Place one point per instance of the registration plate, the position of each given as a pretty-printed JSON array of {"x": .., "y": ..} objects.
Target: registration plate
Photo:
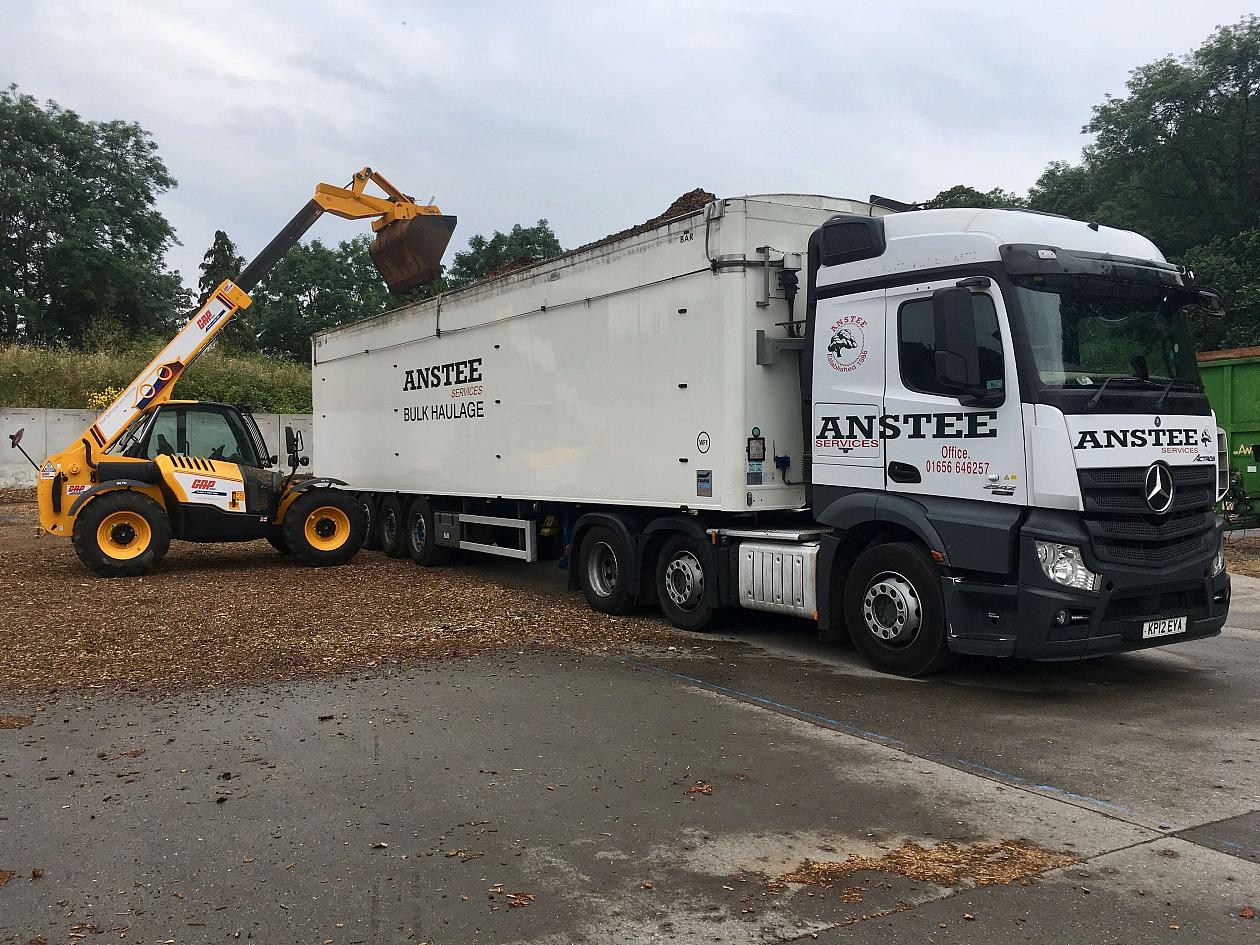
[{"x": 1164, "y": 627}]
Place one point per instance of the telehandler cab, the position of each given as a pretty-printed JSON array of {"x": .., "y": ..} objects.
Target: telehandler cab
[{"x": 151, "y": 468}]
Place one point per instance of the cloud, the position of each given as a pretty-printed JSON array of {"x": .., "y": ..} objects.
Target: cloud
[{"x": 593, "y": 116}]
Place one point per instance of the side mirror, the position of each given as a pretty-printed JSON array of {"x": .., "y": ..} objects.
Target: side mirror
[
  {"x": 957, "y": 349},
  {"x": 290, "y": 440},
  {"x": 16, "y": 438}
]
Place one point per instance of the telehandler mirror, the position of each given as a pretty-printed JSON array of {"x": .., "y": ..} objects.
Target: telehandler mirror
[
  {"x": 16, "y": 438},
  {"x": 290, "y": 441}
]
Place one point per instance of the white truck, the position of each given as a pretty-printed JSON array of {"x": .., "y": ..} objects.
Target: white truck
[{"x": 972, "y": 431}]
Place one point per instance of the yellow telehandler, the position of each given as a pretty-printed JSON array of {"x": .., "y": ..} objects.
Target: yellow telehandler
[{"x": 151, "y": 468}]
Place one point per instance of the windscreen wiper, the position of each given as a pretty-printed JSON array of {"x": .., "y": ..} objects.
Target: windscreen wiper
[
  {"x": 1172, "y": 382},
  {"x": 1119, "y": 379},
  {"x": 1093, "y": 401}
]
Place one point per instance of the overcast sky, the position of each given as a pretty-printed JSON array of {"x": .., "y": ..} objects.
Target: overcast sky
[{"x": 594, "y": 116}]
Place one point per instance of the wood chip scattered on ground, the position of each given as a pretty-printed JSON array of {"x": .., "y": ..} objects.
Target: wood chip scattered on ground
[
  {"x": 1242, "y": 556},
  {"x": 224, "y": 614},
  {"x": 945, "y": 864}
]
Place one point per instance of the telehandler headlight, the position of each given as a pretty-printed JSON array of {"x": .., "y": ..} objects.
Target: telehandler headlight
[{"x": 1063, "y": 565}]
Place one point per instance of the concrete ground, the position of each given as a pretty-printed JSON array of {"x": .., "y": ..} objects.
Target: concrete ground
[{"x": 429, "y": 804}]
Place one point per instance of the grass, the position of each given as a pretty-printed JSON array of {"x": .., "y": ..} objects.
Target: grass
[{"x": 32, "y": 376}]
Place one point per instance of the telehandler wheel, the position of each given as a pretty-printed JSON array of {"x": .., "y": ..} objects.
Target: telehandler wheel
[
  {"x": 324, "y": 527},
  {"x": 681, "y": 576},
  {"x": 604, "y": 566},
  {"x": 422, "y": 535},
  {"x": 391, "y": 527},
  {"x": 372, "y": 541},
  {"x": 121, "y": 534},
  {"x": 276, "y": 540},
  {"x": 895, "y": 612}
]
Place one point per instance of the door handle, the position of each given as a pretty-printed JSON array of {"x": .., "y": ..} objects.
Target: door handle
[{"x": 903, "y": 472}]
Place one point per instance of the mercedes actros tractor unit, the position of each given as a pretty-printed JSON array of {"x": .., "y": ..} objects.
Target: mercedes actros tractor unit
[{"x": 978, "y": 431}]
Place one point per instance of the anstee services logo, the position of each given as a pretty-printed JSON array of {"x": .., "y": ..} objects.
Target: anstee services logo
[{"x": 847, "y": 349}]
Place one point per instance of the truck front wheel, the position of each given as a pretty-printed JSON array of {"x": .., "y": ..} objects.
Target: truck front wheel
[
  {"x": 604, "y": 567},
  {"x": 681, "y": 577},
  {"x": 324, "y": 527},
  {"x": 121, "y": 534},
  {"x": 894, "y": 610}
]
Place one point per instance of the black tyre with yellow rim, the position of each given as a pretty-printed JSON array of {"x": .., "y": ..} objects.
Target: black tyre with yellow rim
[
  {"x": 324, "y": 527},
  {"x": 121, "y": 534}
]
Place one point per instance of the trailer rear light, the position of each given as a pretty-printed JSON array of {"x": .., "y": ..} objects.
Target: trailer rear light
[{"x": 1064, "y": 565}]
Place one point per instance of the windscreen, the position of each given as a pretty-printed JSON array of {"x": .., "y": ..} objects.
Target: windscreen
[{"x": 1080, "y": 338}]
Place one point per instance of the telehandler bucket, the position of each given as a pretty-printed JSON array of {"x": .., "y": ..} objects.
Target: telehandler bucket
[{"x": 408, "y": 253}]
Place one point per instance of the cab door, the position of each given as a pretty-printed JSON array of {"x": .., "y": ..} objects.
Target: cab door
[
  {"x": 848, "y": 391},
  {"x": 933, "y": 444}
]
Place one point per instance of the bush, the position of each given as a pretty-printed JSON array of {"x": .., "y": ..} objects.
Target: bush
[{"x": 33, "y": 376}]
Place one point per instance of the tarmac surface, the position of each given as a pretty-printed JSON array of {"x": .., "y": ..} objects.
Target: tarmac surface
[{"x": 650, "y": 796}]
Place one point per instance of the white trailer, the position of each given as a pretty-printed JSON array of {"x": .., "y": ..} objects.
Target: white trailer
[{"x": 941, "y": 444}]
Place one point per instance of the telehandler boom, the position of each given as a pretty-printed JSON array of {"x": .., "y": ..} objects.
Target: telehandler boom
[{"x": 152, "y": 468}]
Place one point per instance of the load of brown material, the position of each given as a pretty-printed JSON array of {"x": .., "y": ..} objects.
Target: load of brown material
[{"x": 945, "y": 864}]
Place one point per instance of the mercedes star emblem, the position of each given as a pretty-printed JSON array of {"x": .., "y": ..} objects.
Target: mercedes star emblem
[{"x": 1159, "y": 488}]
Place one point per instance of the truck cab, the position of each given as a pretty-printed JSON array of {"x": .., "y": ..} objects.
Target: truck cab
[{"x": 1017, "y": 392}]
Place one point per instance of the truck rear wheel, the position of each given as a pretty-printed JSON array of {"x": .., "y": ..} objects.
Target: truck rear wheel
[
  {"x": 324, "y": 527},
  {"x": 421, "y": 536},
  {"x": 372, "y": 537},
  {"x": 604, "y": 567},
  {"x": 895, "y": 612},
  {"x": 391, "y": 527},
  {"x": 681, "y": 577},
  {"x": 121, "y": 534}
]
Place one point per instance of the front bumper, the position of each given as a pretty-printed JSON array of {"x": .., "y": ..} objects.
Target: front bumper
[{"x": 1004, "y": 619}]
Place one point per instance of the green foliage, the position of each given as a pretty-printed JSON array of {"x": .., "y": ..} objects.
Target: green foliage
[
  {"x": 220, "y": 262},
  {"x": 962, "y": 196},
  {"x": 1231, "y": 265},
  {"x": 59, "y": 376},
  {"x": 80, "y": 239},
  {"x": 316, "y": 287},
  {"x": 483, "y": 255}
]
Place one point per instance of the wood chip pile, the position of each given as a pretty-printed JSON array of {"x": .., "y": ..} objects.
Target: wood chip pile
[{"x": 215, "y": 615}]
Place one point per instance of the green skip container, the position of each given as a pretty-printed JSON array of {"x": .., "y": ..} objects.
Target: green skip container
[{"x": 1232, "y": 380}]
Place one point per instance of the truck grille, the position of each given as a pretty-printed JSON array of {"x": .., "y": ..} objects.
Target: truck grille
[{"x": 1123, "y": 529}]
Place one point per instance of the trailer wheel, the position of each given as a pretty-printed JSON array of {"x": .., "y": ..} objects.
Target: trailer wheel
[
  {"x": 895, "y": 612},
  {"x": 391, "y": 527},
  {"x": 604, "y": 568},
  {"x": 324, "y": 527},
  {"x": 121, "y": 534},
  {"x": 372, "y": 541},
  {"x": 422, "y": 536},
  {"x": 681, "y": 577}
]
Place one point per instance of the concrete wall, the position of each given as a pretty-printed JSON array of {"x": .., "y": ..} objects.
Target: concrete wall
[{"x": 51, "y": 430}]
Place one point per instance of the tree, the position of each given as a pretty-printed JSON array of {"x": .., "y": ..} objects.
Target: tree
[
  {"x": 483, "y": 255},
  {"x": 313, "y": 288},
  {"x": 1231, "y": 265},
  {"x": 1178, "y": 157},
  {"x": 220, "y": 262},
  {"x": 80, "y": 238},
  {"x": 960, "y": 195}
]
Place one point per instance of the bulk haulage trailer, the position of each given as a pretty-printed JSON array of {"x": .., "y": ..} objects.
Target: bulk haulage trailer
[{"x": 945, "y": 431}]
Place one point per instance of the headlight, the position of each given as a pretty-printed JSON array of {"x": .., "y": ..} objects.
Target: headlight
[
  {"x": 1218, "y": 563},
  {"x": 1063, "y": 565}
]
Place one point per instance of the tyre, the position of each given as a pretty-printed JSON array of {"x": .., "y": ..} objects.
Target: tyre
[
  {"x": 372, "y": 541},
  {"x": 121, "y": 534},
  {"x": 276, "y": 540},
  {"x": 421, "y": 535},
  {"x": 682, "y": 574},
  {"x": 894, "y": 610},
  {"x": 391, "y": 527},
  {"x": 324, "y": 527},
  {"x": 604, "y": 568}
]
